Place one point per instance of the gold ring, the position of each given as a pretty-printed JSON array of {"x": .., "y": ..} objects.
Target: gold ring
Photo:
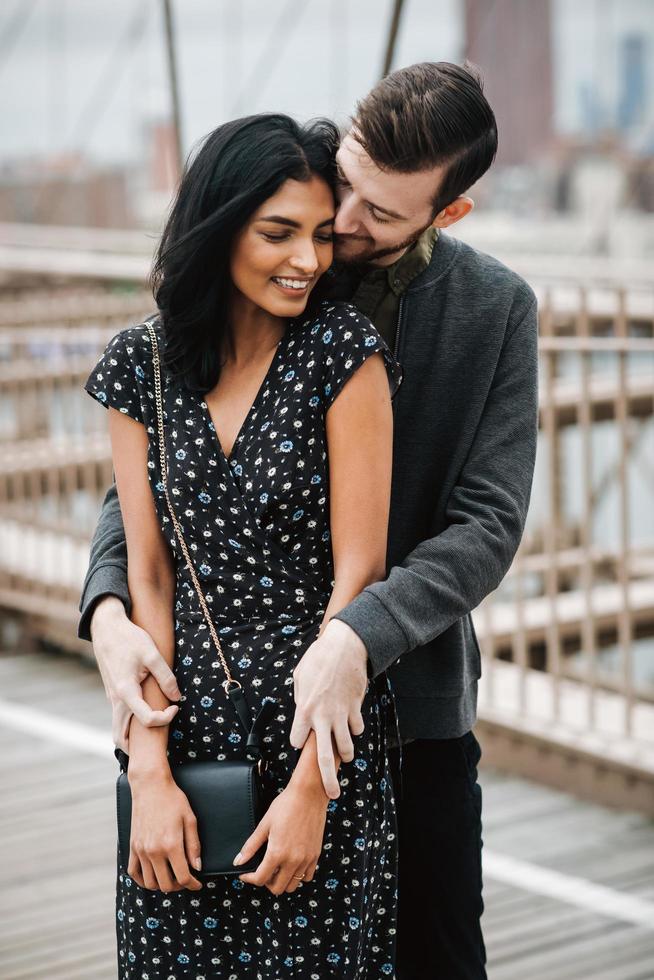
[{"x": 300, "y": 876}]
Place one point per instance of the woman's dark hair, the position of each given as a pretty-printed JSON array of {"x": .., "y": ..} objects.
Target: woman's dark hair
[
  {"x": 427, "y": 115},
  {"x": 237, "y": 167}
]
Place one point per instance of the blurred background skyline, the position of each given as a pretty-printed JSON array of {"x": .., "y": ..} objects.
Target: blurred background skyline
[{"x": 85, "y": 106}]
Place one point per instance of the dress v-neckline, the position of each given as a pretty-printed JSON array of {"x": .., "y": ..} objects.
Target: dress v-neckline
[{"x": 244, "y": 424}]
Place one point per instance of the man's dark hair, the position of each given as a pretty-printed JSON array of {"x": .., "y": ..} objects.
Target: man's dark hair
[
  {"x": 238, "y": 166},
  {"x": 428, "y": 115}
]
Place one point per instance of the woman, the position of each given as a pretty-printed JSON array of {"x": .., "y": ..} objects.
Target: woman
[{"x": 282, "y": 490}]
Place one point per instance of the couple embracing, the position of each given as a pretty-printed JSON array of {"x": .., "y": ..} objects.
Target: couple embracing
[{"x": 350, "y": 405}]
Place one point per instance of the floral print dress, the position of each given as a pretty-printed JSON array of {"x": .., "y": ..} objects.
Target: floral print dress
[{"x": 257, "y": 526}]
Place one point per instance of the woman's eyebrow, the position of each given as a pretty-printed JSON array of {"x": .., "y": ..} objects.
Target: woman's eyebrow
[{"x": 279, "y": 220}]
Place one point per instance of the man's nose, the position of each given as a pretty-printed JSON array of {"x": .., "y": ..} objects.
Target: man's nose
[{"x": 346, "y": 221}]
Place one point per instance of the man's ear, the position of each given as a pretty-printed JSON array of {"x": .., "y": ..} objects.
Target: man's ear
[{"x": 459, "y": 208}]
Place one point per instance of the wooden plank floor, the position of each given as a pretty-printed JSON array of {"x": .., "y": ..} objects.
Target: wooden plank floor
[{"x": 57, "y": 849}]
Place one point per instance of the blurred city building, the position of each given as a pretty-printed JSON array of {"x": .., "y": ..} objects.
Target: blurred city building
[
  {"x": 66, "y": 192},
  {"x": 519, "y": 87}
]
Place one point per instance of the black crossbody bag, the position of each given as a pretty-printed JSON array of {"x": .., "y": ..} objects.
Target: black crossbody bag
[{"x": 228, "y": 797}]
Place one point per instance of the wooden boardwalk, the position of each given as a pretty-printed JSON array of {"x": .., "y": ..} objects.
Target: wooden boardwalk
[{"x": 569, "y": 886}]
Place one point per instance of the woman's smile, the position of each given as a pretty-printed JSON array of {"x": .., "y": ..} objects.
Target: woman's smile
[{"x": 292, "y": 286}]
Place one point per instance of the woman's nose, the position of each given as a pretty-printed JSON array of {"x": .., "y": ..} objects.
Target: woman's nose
[{"x": 305, "y": 260}]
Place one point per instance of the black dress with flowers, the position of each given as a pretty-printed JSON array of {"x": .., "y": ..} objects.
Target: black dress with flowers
[{"x": 257, "y": 526}]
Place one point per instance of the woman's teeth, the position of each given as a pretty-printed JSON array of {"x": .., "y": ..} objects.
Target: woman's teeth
[{"x": 291, "y": 283}]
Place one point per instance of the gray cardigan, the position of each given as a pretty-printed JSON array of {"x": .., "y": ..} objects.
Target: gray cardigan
[{"x": 464, "y": 450}]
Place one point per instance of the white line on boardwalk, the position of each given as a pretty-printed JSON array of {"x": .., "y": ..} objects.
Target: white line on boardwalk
[
  {"x": 500, "y": 867},
  {"x": 50, "y": 727},
  {"x": 568, "y": 888}
]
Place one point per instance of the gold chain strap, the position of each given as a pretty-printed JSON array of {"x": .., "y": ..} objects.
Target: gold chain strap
[{"x": 178, "y": 530}]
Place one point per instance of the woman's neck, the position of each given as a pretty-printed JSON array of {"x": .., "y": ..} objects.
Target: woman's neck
[{"x": 252, "y": 332}]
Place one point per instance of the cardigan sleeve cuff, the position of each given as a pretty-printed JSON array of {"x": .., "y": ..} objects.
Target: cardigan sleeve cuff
[
  {"x": 381, "y": 634},
  {"x": 103, "y": 582}
]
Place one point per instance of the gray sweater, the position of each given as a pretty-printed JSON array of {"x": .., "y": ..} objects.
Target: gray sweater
[{"x": 464, "y": 450}]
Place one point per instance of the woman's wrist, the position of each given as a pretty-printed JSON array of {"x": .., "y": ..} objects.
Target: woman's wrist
[
  {"x": 148, "y": 752},
  {"x": 309, "y": 786},
  {"x": 307, "y": 776},
  {"x": 148, "y": 772}
]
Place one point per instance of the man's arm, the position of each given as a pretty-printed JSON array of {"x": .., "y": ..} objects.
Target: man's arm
[
  {"x": 447, "y": 576},
  {"x": 107, "y": 571},
  {"x": 125, "y": 653}
]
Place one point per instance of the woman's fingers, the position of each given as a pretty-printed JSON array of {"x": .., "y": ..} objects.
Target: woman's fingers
[
  {"x": 162, "y": 873},
  {"x": 192, "y": 842},
  {"x": 134, "y": 869},
  {"x": 310, "y": 871},
  {"x": 294, "y": 881},
  {"x": 183, "y": 873},
  {"x": 265, "y": 870},
  {"x": 148, "y": 875},
  {"x": 257, "y": 839},
  {"x": 289, "y": 876},
  {"x": 280, "y": 879}
]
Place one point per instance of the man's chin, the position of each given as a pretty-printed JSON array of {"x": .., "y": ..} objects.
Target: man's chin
[{"x": 352, "y": 251}]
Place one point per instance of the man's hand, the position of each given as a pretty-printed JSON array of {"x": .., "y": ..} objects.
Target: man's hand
[
  {"x": 330, "y": 684},
  {"x": 126, "y": 655}
]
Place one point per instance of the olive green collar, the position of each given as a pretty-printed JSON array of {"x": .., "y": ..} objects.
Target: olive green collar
[{"x": 408, "y": 266}]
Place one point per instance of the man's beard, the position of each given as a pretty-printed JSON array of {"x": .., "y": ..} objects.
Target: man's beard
[{"x": 365, "y": 257}]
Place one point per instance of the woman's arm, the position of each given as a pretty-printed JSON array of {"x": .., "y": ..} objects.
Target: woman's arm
[
  {"x": 164, "y": 836},
  {"x": 150, "y": 578},
  {"x": 360, "y": 449}
]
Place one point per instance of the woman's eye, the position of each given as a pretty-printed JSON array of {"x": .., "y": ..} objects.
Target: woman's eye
[
  {"x": 274, "y": 238},
  {"x": 324, "y": 239}
]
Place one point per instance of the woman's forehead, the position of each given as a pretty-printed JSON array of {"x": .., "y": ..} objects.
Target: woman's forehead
[{"x": 299, "y": 196}]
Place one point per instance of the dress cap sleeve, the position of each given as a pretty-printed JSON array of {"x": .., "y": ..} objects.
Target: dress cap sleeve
[
  {"x": 348, "y": 339},
  {"x": 120, "y": 378}
]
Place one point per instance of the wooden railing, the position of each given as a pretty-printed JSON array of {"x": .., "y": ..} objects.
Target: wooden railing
[{"x": 567, "y": 639}]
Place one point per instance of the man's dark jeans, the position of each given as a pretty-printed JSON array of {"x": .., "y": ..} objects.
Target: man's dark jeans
[{"x": 439, "y": 819}]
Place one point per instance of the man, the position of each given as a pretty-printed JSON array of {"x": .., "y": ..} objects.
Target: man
[{"x": 464, "y": 328}]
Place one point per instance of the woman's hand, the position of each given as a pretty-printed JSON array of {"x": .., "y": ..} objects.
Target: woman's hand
[
  {"x": 293, "y": 826},
  {"x": 164, "y": 837}
]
